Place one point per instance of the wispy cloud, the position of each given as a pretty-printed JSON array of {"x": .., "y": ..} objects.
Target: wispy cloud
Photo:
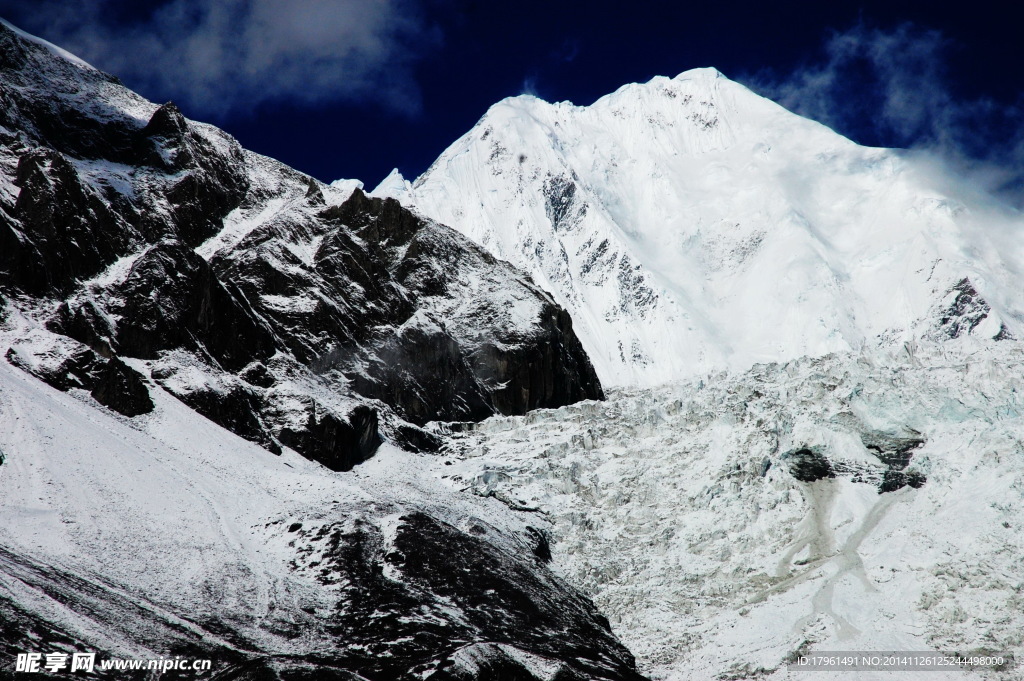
[
  {"x": 529, "y": 86},
  {"x": 892, "y": 88},
  {"x": 568, "y": 50},
  {"x": 222, "y": 58}
]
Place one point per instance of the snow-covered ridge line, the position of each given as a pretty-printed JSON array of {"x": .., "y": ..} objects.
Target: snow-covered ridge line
[{"x": 57, "y": 51}]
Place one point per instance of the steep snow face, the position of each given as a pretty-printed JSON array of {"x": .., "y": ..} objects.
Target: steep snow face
[
  {"x": 688, "y": 223},
  {"x": 859, "y": 501},
  {"x": 165, "y": 533}
]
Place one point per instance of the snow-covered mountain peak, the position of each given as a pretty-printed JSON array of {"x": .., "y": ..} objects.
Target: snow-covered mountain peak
[
  {"x": 394, "y": 185},
  {"x": 699, "y": 73},
  {"x": 690, "y": 224}
]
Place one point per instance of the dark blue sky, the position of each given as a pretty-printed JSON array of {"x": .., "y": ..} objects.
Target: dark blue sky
[{"x": 352, "y": 88}]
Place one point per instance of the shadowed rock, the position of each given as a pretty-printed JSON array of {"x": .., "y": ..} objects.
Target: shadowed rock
[
  {"x": 122, "y": 388},
  {"x": 808, "y": 464},
  {"x": 336, "y": 443}
]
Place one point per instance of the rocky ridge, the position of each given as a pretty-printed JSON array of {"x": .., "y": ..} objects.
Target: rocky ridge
[
  {"x": 155, "y": 273},
  {"x": 247, "y": 287}
]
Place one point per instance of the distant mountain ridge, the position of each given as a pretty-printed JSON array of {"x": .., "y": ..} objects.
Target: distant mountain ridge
[{"x": 688, "y": 224}]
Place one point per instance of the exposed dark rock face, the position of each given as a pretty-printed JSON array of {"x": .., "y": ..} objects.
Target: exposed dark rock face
[
  {"x": 894, "y": 480},
  {"x": 894, "y": 453},
  {"x": 560, "y": 203},
  {"x": 171, "y": 299},
  {"x": 405, "y": 310},
  {"x": 67, "y": 230},
  {"x": 234, "y": 408},
  {"x": 79, "y": 146},
  {"x": 358, "y": 298},
  {"x": 206, "y": 184},
  {"x": 122, "y": 388},
  {"x": 59, "y": 362},
  {"x": 477, "y": 602},
  {"x": 421, "y": 370},
  {"x": 964, "y": 310},
  {"x": 808, "y": 464},
  {"x": 86, "y": 323},
  {"x": 336, "y": 443},
  {"x": 527, "y": 374},
  {"x": 892, "y": 450},
  {"x": 42, "y": 101},
  {"x": 415, "y": 439},
  {"x": 257, "y": 374},
  {"x": 542, "y": 546},
  {"x": 65, "y": 364}
]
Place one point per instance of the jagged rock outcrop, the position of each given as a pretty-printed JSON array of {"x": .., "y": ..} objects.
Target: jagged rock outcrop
[
  {"x": 67, "y": 230},
  {"x": 122, "y": 388},
  {"x": 144, "y": 235},
  {"x": 510, "y": 615},
  {"x": 83, "y": 145},
  {"x": 171, "y": 299},
  {"x": 808, "y": 464}
]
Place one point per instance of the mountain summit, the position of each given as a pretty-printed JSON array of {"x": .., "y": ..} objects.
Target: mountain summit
[{"x": 689, "y": 224}]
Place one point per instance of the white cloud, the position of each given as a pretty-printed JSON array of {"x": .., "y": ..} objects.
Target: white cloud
[
  {"x": 219, "y": 58},
  {"x": 892, "y": 88}
]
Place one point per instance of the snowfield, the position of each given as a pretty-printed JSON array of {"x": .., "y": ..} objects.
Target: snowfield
[
  {"x": 189, "y": 522},
  {"x": 677, "y": 508}
]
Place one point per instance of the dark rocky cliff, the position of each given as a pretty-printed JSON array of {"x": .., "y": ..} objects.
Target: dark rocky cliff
[{"x": 304, "y": 317}]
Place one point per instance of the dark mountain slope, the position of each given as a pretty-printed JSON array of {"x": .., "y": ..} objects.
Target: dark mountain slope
[{"x": 285, "y": 310}]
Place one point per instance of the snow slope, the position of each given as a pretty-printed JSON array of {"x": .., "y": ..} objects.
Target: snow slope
[
  {"x": 141, "y": 537},
  {"x": 682, "y": 512},
  {"x": 690, "y": 224}
]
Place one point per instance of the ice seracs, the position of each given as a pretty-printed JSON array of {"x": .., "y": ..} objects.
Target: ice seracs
[
  {"x": 690, "y": 224},
  {"x": 726, "y": 525}
]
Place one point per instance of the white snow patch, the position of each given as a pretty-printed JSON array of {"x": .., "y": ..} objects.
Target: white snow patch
[{"x": 239, "y": 223}]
